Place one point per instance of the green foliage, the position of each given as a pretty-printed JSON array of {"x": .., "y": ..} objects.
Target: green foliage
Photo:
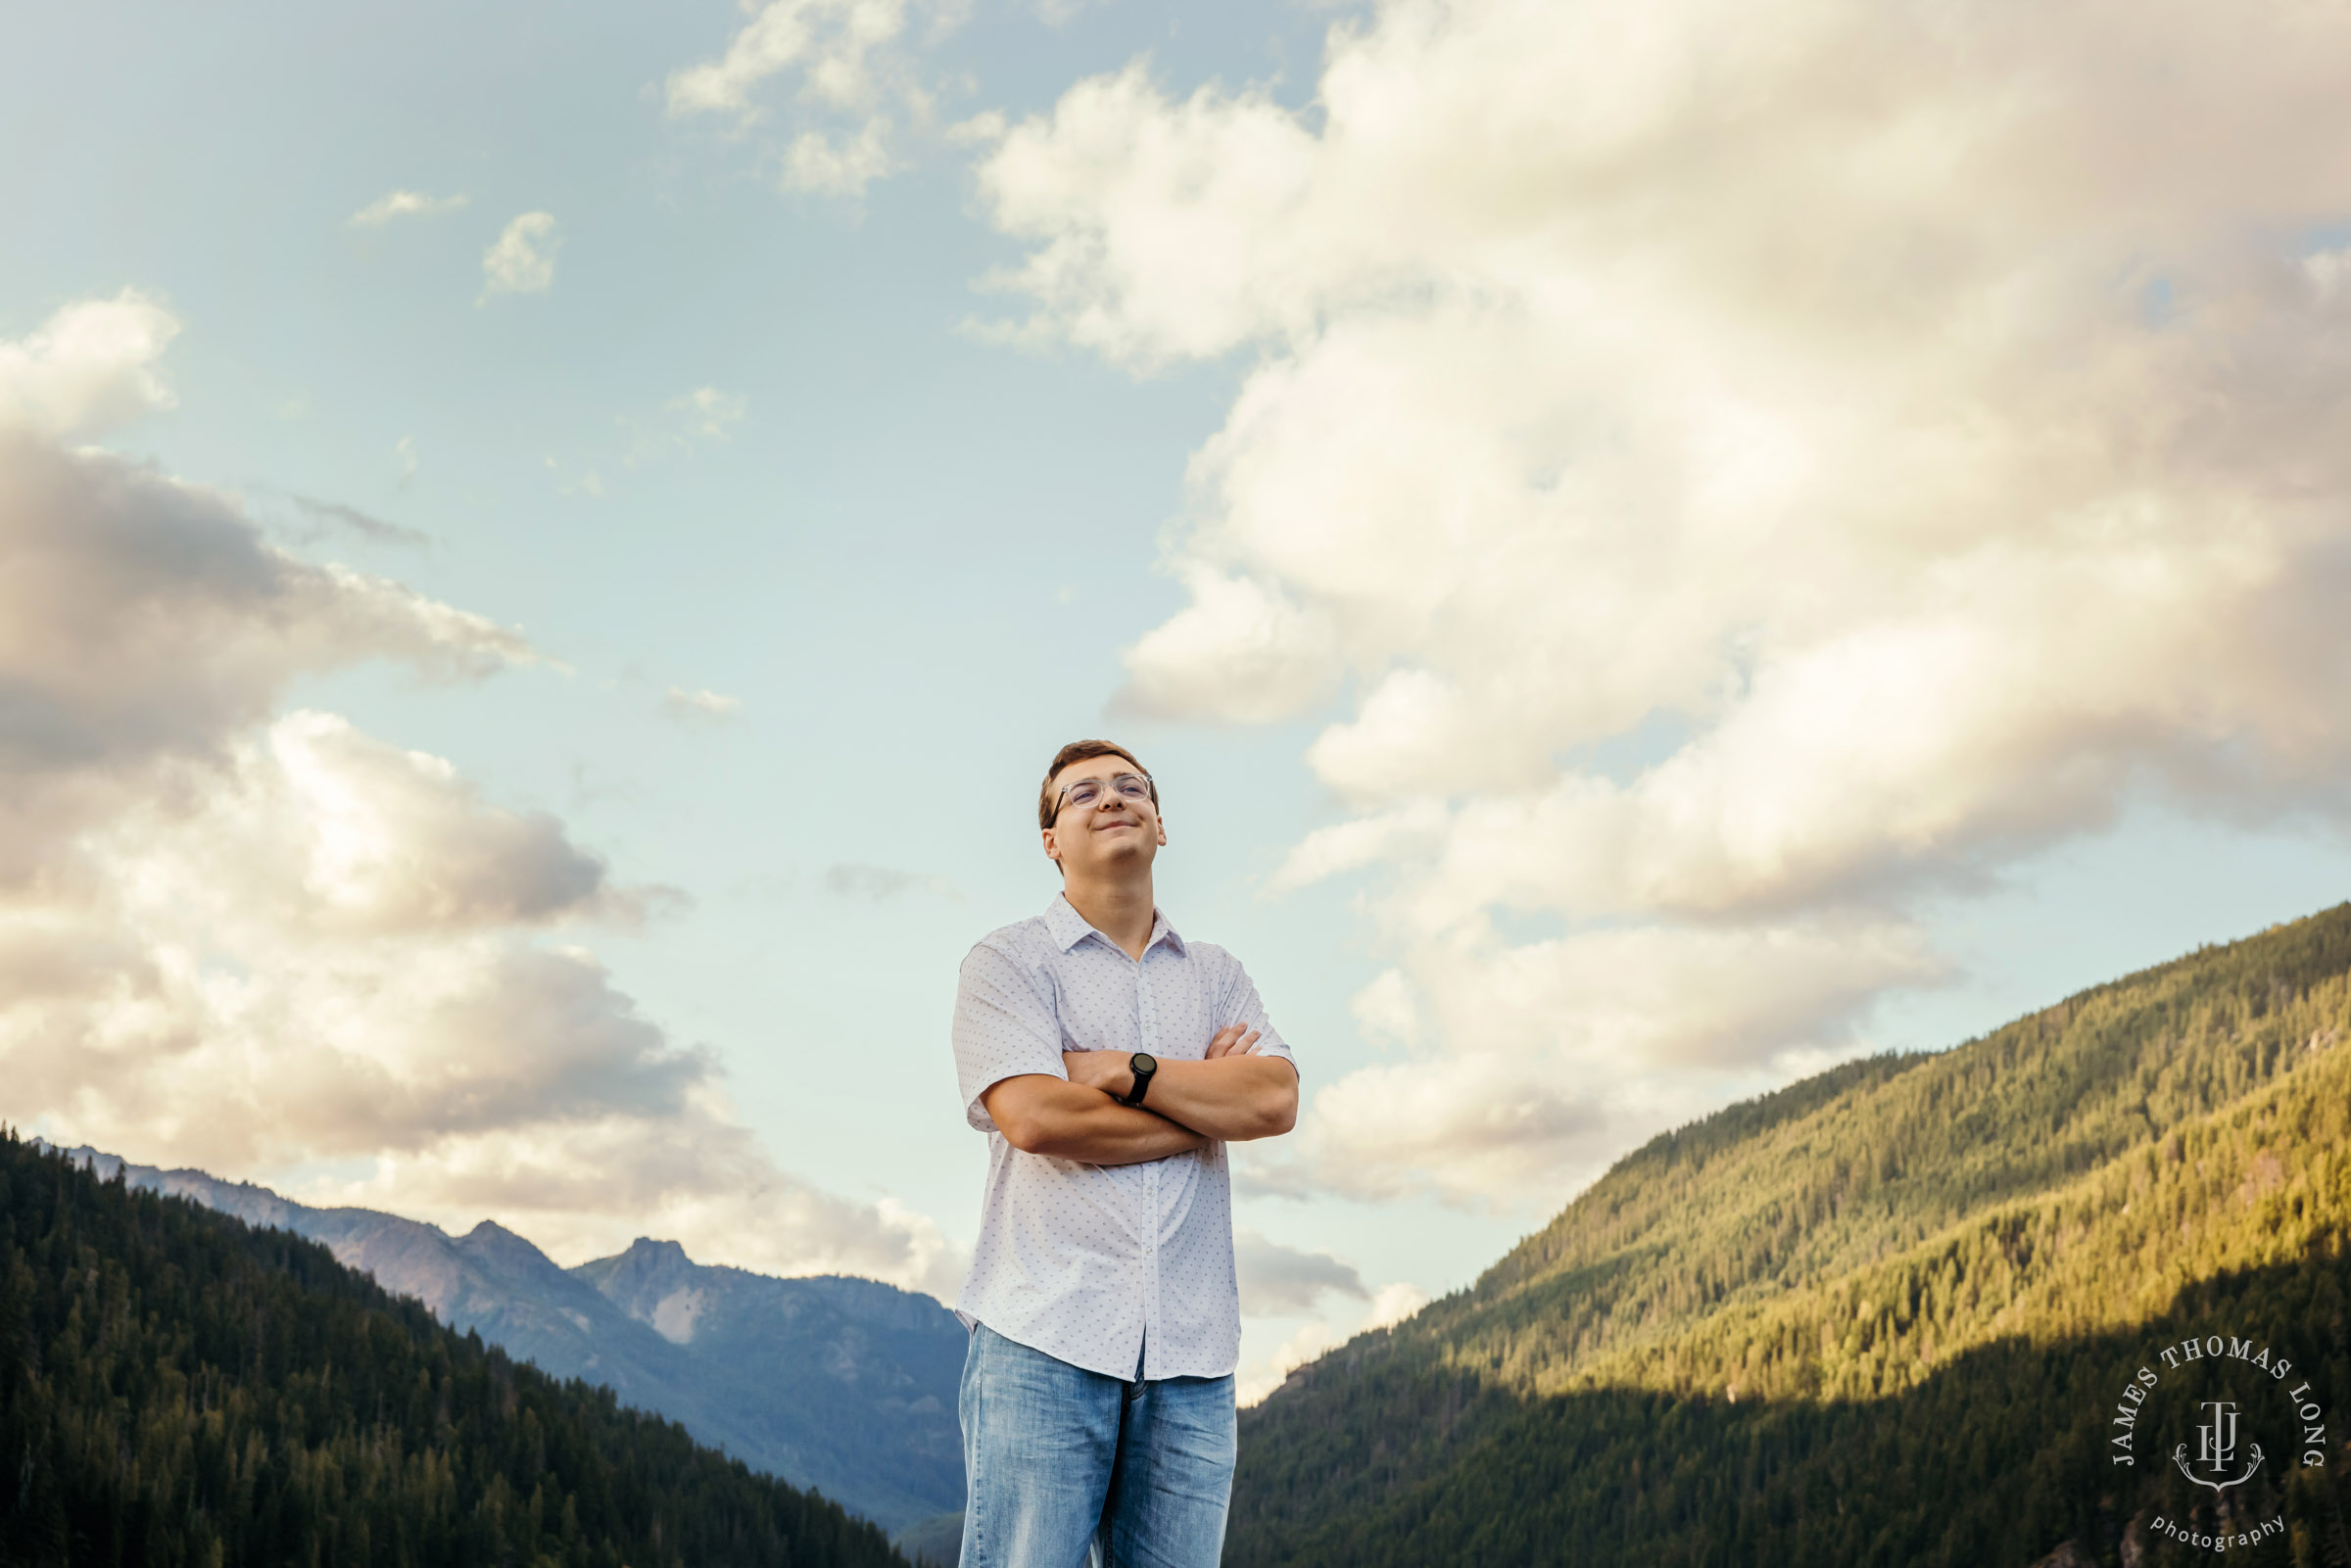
[
  {"x": 178, "y": 1388},
  {"x": 932, "y": 1542},
  {"x": 1880, "y": 1317}
]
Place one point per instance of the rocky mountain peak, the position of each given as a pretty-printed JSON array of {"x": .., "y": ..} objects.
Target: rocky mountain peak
[
  {"x": 837, "y": 1384},
  {"x": 646, "y": 1253}
]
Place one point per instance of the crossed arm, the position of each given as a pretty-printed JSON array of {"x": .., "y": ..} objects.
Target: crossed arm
[{"x": 1232, "y": 1096}]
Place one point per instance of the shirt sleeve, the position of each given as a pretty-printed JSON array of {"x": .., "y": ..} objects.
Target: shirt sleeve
[
  {"x": 1005, "y": 1026},
  {"x": 1241, "y": 1005}
]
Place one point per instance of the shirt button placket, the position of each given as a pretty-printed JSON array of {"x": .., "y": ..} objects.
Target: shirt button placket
[{"x": 1147, "y": 1027}]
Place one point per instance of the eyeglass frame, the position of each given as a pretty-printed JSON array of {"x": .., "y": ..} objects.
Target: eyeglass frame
[{"x": 1150, "y": 788}]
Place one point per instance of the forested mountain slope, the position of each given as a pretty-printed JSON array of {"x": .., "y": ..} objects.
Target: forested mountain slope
[
  {"x": 1878, "y": 1318},
  {"x": 178, "y": 1388},
  {"x": 845, "y": 1386}
]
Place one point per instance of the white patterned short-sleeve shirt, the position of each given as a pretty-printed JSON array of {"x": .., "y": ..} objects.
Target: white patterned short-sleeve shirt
[{"x": 1099, "y": 1264}]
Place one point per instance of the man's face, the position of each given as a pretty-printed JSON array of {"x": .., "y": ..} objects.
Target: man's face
[{"x": 1113, "y": 836}]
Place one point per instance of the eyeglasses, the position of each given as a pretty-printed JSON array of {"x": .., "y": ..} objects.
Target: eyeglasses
[{"x": 1135, "y": 787}]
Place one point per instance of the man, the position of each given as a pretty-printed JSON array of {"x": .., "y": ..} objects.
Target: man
[{"x": 1109, "y": 1060}]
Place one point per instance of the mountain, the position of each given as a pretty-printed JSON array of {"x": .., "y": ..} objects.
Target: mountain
[
  {"x": 932, "y": 1542},
  {"x": 1881, "y": 1316},
  {"x": 846, "y": 1382},
  {"x": 845, "y": 1386},
  {"x": 177, "y": 1387}
]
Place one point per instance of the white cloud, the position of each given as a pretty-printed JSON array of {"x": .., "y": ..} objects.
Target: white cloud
[
  {"x": 90, "y": 367},
  {"x": 522, "y": 259},
  {"x": 404, "y": 204},
  {"x": 1391, "y": 1304},
  {"x": 144, "y": 620},
  {"x": 1241, "y": 650},
  {"x": 681, "y": 704},
  {"x": 686, "y": 423},
  {"x": 1897, "y": 438},
  {"x": 1162, "y": 226},
  {"x": 587, "y": 483},
  {"x": 1534, "y": 1063},
  {"x": 1413, "y": 829},
  {"x": 1387, "y": 1010},
  {"x": 832, "y": 43},
  {"x": 2326, "y": 271},
  {"x": 1309, "y": 1340},
  {"x": 711, "y": 412},
  {"x": 881, "y": 884},
  {"x": 697, "y": 1176},
  {"x": 1280, "y": 1281},
  {"x": 859, "y": 92},
  {"x": 839, "y": 165},
  {"x": 984, "y": 129},
  {"x": 259, "y": 941}
]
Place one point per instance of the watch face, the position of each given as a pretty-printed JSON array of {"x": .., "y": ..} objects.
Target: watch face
[{"x": 1144, "y": 1062}]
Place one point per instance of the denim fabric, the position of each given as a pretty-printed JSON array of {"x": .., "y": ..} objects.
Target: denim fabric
[{"x": 1065, "y": 1468}]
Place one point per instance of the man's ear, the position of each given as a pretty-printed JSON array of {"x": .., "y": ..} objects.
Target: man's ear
[{"x": 1051, "y": 848}]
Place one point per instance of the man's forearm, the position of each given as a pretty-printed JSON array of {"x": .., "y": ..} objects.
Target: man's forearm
[
  {"x": 1232, "y": 1099},
  {"x": 1044, "y": 1116}
]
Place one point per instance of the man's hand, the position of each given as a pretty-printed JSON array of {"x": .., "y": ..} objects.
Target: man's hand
[
  {"x": 1234, "y": 1094},
  {"x": 1233, "y": 1039},
  {"x": 1106, "y": 1070},
  {"x": 1113, "y": 1071}
]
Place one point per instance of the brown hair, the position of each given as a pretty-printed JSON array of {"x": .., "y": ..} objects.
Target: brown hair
[{"x": 1081, "y": 751}]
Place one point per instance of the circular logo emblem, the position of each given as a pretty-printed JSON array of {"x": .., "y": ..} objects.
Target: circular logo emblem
[{"x": 2217, "y": 1422}]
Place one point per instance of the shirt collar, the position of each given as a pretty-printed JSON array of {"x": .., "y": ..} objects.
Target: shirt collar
[{"x": 1068, "y": 927}]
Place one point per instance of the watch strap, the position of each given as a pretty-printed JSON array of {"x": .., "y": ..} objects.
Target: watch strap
[{"x": 1143, "y": 1084}]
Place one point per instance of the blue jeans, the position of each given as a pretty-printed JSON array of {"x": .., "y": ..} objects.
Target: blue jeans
[{"x": 1065, "y": 1467}]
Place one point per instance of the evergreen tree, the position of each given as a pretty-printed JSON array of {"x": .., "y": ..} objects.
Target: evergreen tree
[
  {"x": 178, "y": 1388},
  {"x": 1882, "y": 1316}
]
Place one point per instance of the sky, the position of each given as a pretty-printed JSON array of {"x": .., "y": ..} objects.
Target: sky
[{"x": 1651, "y": 549}]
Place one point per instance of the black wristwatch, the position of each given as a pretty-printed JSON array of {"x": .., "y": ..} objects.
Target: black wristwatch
[{"x": 1142, "y": 1064}]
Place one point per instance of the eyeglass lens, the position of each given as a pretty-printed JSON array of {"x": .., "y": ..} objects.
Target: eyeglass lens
[{"x": 1085, "y": 791}]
